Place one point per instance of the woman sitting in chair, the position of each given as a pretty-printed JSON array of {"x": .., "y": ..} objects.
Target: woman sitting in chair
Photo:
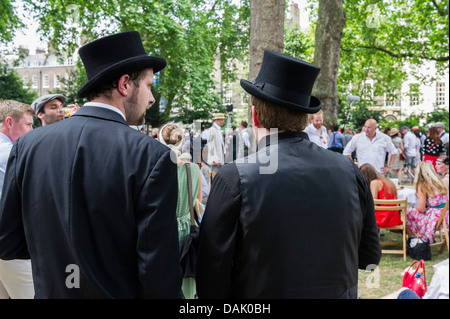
[
  {"x": 382, "y": 188},
  {"x": 433, "y": 195}
]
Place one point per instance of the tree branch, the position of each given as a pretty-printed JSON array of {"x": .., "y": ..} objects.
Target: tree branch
[
  {"x": 441, "y": 12},
  {"x": 212, "y": 9}
]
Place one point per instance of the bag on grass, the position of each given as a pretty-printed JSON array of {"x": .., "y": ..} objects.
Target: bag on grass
[
  {"x": 419, "y": 249},
  {"x": 414, "y": 278}
]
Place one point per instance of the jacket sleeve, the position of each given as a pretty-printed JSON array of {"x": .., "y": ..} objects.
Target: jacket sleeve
[
  {"x": 369, "y": 251},
  {"x": 157, "y": 242},
  {"x": 13, "y": 244},
  {"x": 218, "y": 234}
]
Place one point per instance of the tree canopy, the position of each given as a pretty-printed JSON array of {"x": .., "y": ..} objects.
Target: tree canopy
[
  {"x": 381, "y": 40},
  {"x": 188, "y": 34}
]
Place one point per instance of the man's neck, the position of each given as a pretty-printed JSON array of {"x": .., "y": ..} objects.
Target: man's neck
[
  {"x": 371, "y": 138},
  {"x": 261, "y": 132},
  {"x": 110, "y": 101}
]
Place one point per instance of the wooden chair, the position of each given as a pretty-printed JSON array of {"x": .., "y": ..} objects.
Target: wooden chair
[
  {"x": 442, "y": 232},
  {"x": 400, "y": 205}
]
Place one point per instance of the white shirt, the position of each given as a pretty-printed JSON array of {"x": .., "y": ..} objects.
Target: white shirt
[
  {"x": 319, "y": 137},
  {"x": 5, "y": 148},
  {"x": 444, "y": 137},
  {"x": 372, "y": 152},
  {"x": 245, "y": 138},
  {"x": 409, "y": 142},
  {"x": 106, "y": 106}
]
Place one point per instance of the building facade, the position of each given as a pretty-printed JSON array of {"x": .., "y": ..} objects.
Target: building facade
[{"x": 44, "y": 72}]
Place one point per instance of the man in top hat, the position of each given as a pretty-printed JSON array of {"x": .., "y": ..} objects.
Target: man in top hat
[
  {"x": 91, "y": 200},
  {"x": 301, "y": 230},
  {"x": 216, "y": 144}
]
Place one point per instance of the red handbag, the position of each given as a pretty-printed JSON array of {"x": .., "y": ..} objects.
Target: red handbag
[{"x": 414, "y": 278}]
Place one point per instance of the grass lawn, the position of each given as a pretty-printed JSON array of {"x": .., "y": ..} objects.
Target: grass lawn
[{"x": 388, "y": 278}]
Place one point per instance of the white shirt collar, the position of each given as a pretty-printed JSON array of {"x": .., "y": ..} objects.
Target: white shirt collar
[
  {"x": 106, "y": 106},
  {"x": 5, "y": 138}
]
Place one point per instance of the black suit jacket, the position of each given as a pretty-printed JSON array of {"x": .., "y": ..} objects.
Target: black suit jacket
[
  {"x": 293, "y": 221},
  {"x": 91, "y": 193}
]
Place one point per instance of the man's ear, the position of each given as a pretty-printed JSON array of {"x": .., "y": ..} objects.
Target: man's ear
[
  {"x": 40, "y": 115},
  {"x": 7, "y": 123},
  {"x": 123, "y": 85},
  {"x": 255, "y": 117}
]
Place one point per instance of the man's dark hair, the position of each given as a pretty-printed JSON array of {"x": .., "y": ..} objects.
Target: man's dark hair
[
  {"x": 244, "y": 124},
  {"x": 106, "y": 88}
]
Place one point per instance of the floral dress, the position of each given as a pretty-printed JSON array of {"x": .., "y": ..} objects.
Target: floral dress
[{"x": 425, "y": 222}]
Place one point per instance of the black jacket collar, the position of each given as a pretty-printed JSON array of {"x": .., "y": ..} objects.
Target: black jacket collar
[{"x": 265, "y": 141}]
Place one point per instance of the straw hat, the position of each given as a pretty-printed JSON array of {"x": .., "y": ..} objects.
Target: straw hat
[
  {"x": 393, "y": 132},
  {"x": 219, "y": 116}
]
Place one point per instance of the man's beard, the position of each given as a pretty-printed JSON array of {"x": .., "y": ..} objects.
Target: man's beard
[{"x": 133, "y": 118}]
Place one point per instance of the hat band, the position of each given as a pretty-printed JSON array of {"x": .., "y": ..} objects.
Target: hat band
[{"x": 283, "y": 94}]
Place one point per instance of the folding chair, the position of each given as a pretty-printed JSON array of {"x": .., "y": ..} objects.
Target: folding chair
[
  {"x": 442, "y": 232},
  {"x": 400, "y": 205}
]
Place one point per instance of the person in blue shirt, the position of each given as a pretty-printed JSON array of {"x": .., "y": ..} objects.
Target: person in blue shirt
[{"x": 335, "y": 140}]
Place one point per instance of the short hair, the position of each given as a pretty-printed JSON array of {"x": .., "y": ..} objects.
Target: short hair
[
  {"x": 271, "y": 115},
  {"x": 320, "y": 112},
  {"x": 14, "y": 109},
  {"x": 244, "y": 124},
  {"x": 106, "y": 88}
]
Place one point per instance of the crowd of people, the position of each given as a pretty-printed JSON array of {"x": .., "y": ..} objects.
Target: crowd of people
[{"x": 91, "y": 193}]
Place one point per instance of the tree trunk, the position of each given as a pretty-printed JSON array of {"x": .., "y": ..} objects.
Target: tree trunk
[
  {"x": 330, "y": 26},
  {"x": 266, "y": 32}
]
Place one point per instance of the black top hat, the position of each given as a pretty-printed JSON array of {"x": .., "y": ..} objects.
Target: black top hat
[
  {"x": 285, "y": 81},
  {"x": 108, "y": 58}
]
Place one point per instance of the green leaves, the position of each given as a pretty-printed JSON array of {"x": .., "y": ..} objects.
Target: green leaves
[
  {"x": 188, "y": 34},
  {"x": 9, "y": 21}
]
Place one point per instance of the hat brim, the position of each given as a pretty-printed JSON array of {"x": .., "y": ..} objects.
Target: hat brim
[
  {"x": 120, "y": 68},
  {"x": 314, "y": 105}
]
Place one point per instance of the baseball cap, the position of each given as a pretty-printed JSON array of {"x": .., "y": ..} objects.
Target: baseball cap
[{"x": 39, "y": 103}]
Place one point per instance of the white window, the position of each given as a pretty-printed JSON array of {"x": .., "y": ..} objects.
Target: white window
[
  {"x": 46, "y": 83},
  {"x": 440, "y": 93},
  {"x": 389, "y": 101},
  {"x": 414, "y": 94},
  {"x": 57, "y": 82},
  {"x": 34, "y": 81},
  {"x": 25, "y": 81}
]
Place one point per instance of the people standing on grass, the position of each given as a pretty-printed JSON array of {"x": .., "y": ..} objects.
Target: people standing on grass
[
  {"x": 397, "y": 166},
  {"x": 371, "y": 147}
]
